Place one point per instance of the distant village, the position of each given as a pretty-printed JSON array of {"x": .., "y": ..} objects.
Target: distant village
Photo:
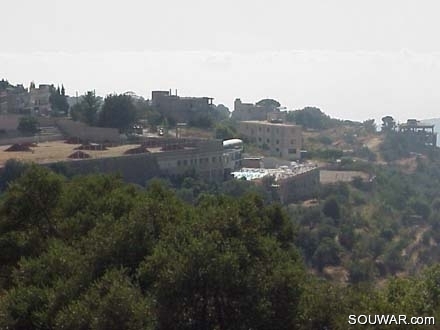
[{"x": 265, "y": 145}]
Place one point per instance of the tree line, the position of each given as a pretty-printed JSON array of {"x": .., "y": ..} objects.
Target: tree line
[{"x": 92, "y": 252}]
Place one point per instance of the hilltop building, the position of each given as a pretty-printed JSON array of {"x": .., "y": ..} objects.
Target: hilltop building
[
  {"x": 282, "y": 140},
  {"x": 40, "y": 99},
  {"x": 14, "y": 99},
  {"x": 232, "y": 154},
  {"x": 249, "y": 111},
  {"x": 177, "y": 108},
  {"x": 19, "y": 100},
  {"x": 419, "y": 132}
]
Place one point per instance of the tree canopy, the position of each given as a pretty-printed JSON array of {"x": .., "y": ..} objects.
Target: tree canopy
[
  {"x": 311, "y": 117},
  {"x": 92, "y": 252},
  {"x": 95, "y": 253},
  {"x": 86, "y": 110},
  {"x": 28, "y": 125},
  {"x": 118, "y": 111},
  {"x": 58, "y": 101},
  {"x": 269, "y": 103}
]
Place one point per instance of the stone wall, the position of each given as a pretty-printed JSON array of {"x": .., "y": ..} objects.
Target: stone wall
[
  {"x": 87, "y": 133},
  {"x": 134, "y": 168}
]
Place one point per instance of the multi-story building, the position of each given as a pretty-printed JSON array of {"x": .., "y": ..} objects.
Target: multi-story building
[
  {"x": 40, "y": 99},
  {"x": 232, "y": 154},
  {"x": 177, "y": 108},
  {"x": 419, "y": 132},
  {"x": 250, "y": 111},
  {"x": 14, "y": 99},
  {"x": 280, "y": 139}
]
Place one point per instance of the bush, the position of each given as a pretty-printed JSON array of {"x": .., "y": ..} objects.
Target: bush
[{"x": 28, "y": 125}]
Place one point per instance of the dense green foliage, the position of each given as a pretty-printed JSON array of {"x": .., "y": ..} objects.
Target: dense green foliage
[
  {"x": 207, "y": 117},
  {"x": 58, "y": 101},
  {"x": 397, "y": 145},
  {"x": 314, "y": 118},
  {"x": 28, "y": 125},
  {"x": 118, "y": 111},
  {"x": 226, "y": 130},
  {"x": 269, "y": 103},
  {"x": 86, "y": 110},
  {"x": 4, "y": 84},
  {"x": 95, "y": 253}
]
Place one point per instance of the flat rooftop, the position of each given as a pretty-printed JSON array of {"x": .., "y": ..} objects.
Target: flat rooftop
[
  {"x": 281, "y": 173},
  {"x": 260, "y": 122},
  {"x": 57, "y": 151}
]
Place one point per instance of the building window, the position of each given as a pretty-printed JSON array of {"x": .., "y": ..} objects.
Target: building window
[
  {"x": 259, "y": 139},
  {"x": 259, "y": 128},
  {"x": 178, "y": 163},
  {"x": 267, "y": 129},
  {"x": 213, "y": 159},
  {"x": 292, "y": 151},
  {"x": 278, "y": 141},
  {"x": 267, "y": 140},
  {"x": 185, "y": 162},
  {"x": 292, "y": 141},
  {"x": 277, "y": 149}
]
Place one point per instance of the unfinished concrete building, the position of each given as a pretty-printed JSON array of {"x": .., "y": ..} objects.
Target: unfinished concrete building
[
  {"x": 419, "y": 132},
  {"x": 249, "y": 111},
  {"x": 280, "y": 139},
  {"x": 177, "y": 108}
]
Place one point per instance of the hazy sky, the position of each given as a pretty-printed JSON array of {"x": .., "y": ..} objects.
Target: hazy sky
[{"x": 353, "y": 59}]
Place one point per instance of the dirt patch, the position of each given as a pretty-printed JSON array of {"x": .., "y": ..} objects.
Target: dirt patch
[
  {"x": 73, "y": 140},
  {"x": 327, "y": 176},
  {"x": 49, "y": 152},
  {"x": 407, "y": 165},
  {"x": 336, "y": 274},
  {"x": 310, "y": 203}
]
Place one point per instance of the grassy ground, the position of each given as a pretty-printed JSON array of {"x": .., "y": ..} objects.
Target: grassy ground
[{"x": 57, "y": 151}]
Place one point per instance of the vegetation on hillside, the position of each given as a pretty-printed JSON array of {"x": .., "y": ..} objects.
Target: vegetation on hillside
[
  {"x": 314, "y": 118},
  {"x": 95, "y": 253},
  {"x": 87, "y": 109},
  {"x": 58, "y": 101},
  {"x": 118, "y": 111},
  {"x": 28, "y": 125}
]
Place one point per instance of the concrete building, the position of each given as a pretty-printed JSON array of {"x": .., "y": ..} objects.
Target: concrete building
[
  {"x": 280, "y": 139},
  {"x": 165, "y": 157},
  {"x": 201, "y": 157},
  {"x": 179, "y": 109},
  {"x": 232, "y": 154},
  {"x": 292, "y": 183},
  {"x": 39, "y": 99},
  {"x": 419, "y": 132},
  {"x": 249, "y": 111},
  {"x": 304, "y": 185},
  {"x": 14, "y": 100}
]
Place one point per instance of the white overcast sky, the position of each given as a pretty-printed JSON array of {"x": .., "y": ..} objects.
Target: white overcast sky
[{"x": 353, "y": 59}]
